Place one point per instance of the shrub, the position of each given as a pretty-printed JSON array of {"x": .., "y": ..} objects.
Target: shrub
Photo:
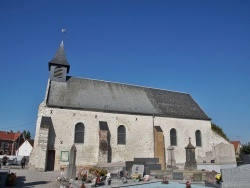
[{"x": 245, "y": 149}]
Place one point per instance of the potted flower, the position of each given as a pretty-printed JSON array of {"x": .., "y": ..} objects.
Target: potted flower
[{"x": 84, "y": 177}]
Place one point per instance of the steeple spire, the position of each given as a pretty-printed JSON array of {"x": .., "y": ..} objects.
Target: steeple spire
[
  {"x": 60, "y": 58},
  {"x": 59, "y": 65}
]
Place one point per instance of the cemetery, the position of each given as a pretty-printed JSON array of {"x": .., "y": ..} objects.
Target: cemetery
[{"x": 148, "y": 172}]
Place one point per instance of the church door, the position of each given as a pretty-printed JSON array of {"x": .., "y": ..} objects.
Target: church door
[{"x": 51, "y": 160}]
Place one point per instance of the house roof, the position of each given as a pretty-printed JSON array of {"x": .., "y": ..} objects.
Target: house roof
[
  {"x": 236, "y": 144},
  {"x": 31, "y": 142},
  {"x": 9, "y": 136},
  {"x": 96, "y": 95}
]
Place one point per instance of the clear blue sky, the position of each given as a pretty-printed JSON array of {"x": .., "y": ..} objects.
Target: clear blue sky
[{"x": 201, "y": 47}]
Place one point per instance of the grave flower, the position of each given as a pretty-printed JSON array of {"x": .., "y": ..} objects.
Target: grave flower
[{"x": 11, "y": 179}]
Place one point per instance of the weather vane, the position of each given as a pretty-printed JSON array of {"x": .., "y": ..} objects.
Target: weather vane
[{"x": 63, "y": 32}]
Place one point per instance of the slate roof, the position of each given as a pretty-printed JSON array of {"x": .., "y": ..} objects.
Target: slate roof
[
  {"x": 96, "y": 95},
  {"x": 60, "y": 58},
  {"x": 9, "y": 136}
]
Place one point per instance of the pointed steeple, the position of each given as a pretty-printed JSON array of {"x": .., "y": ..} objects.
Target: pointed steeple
[
  {"x": 60, "y": 58},
  {"x": 59, "y": 65}
]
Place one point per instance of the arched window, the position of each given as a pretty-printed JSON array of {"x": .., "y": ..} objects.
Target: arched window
[
  {"x": 58, "y": 72},
  {"x": 79, "y": 133},
  {"x": 198, "y": 138},
  {"x": 173, "y": 137},
  {"x": 121, "y": 135}
]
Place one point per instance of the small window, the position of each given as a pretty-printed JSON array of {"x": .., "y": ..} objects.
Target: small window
[
  {"x": 79, "y": 133},
  {"x": 58, "y": 72},
  {"x": 198, "y": 138},
  {"x": 121, "y": 135},
  {"x": 173, "y": 137}
]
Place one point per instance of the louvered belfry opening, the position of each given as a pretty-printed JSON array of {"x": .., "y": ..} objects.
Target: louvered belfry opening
[{"x": 58, "y": 72}]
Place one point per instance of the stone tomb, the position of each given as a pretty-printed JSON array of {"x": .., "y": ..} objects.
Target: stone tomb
[
  {"x": 137, "y": 169},
  {"x": 190, "y": 171},
  {"x": 197, "y": 177},
  {"x": 129, "y": 165},
  {"x": 194, "y": 175},
  {"x": 171, "y": 158},
  {"x": 190, "y": 163},
  {"x": 236, "y": 177},
  {"x": 222, "y": 156},
  {"x": 178, "y": 175},
  {"x": 149, "y": 164},
  {"x": 71, "y": 169}
]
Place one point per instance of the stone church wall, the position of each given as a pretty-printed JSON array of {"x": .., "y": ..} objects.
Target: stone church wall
[
  {"x": 186, "y": 128},
  {"x": 139, "y": 135}
]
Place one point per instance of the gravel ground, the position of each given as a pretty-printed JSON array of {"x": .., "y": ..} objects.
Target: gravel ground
[{"x": 30, "y": 178}]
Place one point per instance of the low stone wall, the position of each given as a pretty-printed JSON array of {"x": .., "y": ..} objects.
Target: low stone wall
[{"x": 215, "y": 167}]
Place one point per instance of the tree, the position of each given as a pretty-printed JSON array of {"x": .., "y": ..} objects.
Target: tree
[
  {"x": 245, "y": 148},
  {"x": 26, "y": 134},
  {"x": 219, "y": 131}
]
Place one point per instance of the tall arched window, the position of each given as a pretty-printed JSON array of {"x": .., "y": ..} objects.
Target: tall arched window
[
  {"x": 121, "y": 135},
  {"x": 79, "y": 133},
  {"x": 198, "y": 138},
  {"x": 173, "y": 137}
]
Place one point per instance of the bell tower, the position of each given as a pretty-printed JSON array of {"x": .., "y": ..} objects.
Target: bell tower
[{"x": 59, "y": 66}]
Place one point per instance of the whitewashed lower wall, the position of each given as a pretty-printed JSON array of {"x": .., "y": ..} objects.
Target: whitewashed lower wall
[{"x": 139, "y": 135}]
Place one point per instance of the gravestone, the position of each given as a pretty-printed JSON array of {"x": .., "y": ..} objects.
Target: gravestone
[
  {"x": 129, "y": 164},
  {"x": 71, "y": 168},
  {"x": 151, "y": 163},
  {"x": 171, "y": 158},
  {"x": 190, "y": 163},
  {"x": 137, "y": 169},
  {"x": 236, "y": 177},
  {"x": 222, "y": 156},
  {"x": 197, "y": 177},
  {"x": 178, "y": 175}
]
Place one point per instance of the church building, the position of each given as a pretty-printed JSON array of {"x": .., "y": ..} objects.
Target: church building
[{"x": 111, "y": 122}]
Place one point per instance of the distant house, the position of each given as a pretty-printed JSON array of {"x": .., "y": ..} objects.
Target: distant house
[
  {"x": 9, "y": 142},
  {"x": 25, "y": 148},
  {"x": 237, "y": 146}
]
